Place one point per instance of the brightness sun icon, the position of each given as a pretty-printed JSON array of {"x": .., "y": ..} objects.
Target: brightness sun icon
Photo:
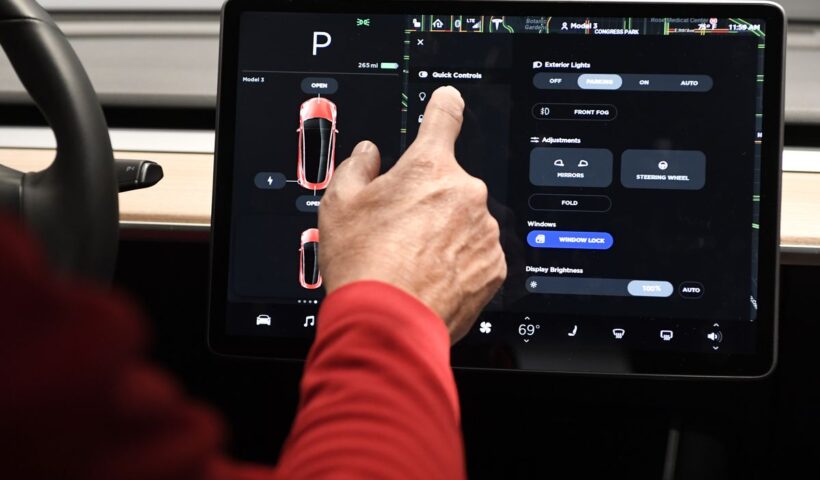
[{"x": 533, "y": 284}]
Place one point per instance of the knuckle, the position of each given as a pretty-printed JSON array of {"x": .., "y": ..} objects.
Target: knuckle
[
  {"x": 329, "y": 199},
  {"x": 497, "y": 234},
  {"x": 476, "y": 189},
  {"x": 480, "y": 188},
  {"x": 502, "y": 271},
  {"x": 492, "y": 225}
]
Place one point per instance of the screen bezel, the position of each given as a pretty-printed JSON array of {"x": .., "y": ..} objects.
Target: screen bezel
[{"x": 668, "y": 364}]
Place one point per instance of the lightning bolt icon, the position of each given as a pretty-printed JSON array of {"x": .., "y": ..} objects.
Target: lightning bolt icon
[{"x": 270, "y": 180}]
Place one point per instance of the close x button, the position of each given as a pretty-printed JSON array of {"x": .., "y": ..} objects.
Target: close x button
[{"x": 570, "y": 203}]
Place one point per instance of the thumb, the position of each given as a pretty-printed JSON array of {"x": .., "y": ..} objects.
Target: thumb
[
  {"x": 357, "y": 171},
  {"x": 442, "y": 119}
]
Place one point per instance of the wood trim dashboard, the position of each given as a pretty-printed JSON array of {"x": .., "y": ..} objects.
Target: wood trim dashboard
[{"x": 181, "y": 202}]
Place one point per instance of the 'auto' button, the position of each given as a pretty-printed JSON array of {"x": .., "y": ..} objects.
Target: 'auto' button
[{"x": 691, "y": 290}]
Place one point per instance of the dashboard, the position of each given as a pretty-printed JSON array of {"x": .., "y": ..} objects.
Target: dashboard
[{"x": 632, "y": 160}]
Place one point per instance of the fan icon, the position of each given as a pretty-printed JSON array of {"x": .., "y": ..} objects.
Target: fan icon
[{"x": 485, "y": 327}]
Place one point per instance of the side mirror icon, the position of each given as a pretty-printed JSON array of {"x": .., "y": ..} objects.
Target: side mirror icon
[
  {"x": 558, "y": 163},
  {"x": 583, "y": 163}
]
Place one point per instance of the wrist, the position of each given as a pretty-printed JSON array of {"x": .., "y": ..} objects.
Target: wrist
[{"x": 385, "y": 300}]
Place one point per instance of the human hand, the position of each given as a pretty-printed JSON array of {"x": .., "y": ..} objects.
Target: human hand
[{"x": 423, "y": 226}]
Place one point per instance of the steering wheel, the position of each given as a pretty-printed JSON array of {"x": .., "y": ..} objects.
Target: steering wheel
[{"x": 72, "y": 205}]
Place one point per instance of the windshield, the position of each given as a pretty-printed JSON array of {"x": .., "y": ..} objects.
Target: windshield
[
  {"x": 796, "y": 9},
  {"x": 311, "y": 265},
  {"x": 317, "y": 146},
  {"x": 142, "y": 5}
]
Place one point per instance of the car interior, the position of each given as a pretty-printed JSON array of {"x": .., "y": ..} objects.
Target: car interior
[{"x": 653, "y": 166}]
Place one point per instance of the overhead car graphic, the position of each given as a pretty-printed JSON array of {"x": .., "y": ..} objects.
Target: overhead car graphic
[
  {"x": 317, "y": 143},
  {"x": 309, "y": 276}
]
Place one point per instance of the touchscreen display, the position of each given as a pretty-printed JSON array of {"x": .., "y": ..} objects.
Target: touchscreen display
[{"x": 622, "y": 156}]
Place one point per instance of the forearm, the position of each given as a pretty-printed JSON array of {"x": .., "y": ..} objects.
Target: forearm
[{"x": 378, "y": 397}]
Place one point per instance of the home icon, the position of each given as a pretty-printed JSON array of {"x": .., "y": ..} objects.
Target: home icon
[{"x": 438, "y": 24}]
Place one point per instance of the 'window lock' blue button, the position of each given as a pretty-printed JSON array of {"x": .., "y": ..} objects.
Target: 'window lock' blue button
[{"x": 571, "y": 240}]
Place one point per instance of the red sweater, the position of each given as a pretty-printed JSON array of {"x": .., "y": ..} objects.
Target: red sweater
[{"x": 79, "y": 400}]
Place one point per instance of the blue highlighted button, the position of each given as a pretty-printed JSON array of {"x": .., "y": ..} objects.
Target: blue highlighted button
[{"x": 571, "y": 240}]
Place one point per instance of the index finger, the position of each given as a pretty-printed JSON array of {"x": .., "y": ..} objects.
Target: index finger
[{"x": 442, "y": 119}]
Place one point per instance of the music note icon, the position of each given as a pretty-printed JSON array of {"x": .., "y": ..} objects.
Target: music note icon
[{"x": 310, "y": 320}]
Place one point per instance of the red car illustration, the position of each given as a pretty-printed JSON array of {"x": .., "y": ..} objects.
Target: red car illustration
[
  {"x": 309, "y": 276},
  {"x": 317, "y": 143}
]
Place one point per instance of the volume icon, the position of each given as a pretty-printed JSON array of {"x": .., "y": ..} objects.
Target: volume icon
[{"x": 716, "y": 337}]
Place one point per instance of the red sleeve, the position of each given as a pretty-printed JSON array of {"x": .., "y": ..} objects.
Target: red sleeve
[
  {"x": 80, "y": 401},
  {"x": 378, "y": 398}
]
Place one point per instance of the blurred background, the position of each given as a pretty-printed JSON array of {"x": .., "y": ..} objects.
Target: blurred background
[{"x": 158, "y": 58}]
